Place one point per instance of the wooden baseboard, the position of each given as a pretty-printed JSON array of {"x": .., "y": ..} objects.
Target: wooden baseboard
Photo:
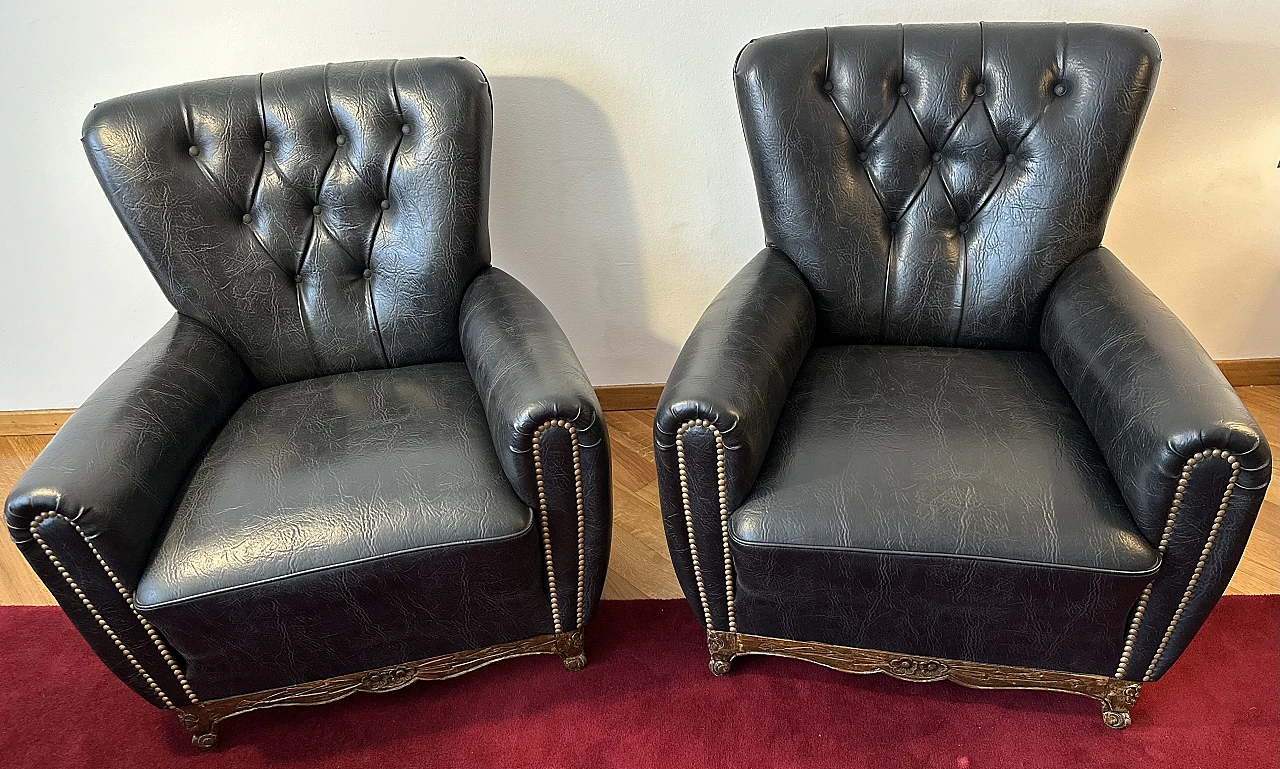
[
  {"x": 629, "y": 397},
  {"x": 37, "y": 422},
  {"x": 1251, "y": 371},
  {"x": 1240, "y": 373}
]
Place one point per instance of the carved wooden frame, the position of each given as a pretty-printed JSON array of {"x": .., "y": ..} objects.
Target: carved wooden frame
[
  {"x": 1116, "y": 695},
  {"x": 202, "y": 719}
]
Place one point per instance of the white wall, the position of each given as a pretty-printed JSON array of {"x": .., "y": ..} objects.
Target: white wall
[{"x": 621, "y": 189}]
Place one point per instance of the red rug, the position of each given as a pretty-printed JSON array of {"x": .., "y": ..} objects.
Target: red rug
[{"x": 647, "y": 700}]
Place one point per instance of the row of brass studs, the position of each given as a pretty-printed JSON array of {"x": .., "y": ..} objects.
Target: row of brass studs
[
  {"x": 106, "y": 628},
  {"x": 1204, "y": 554},
  {"x": 723, "y": 499},
  {"x": 544, "y": 517},
  {"x": 1174, "y": 509}
]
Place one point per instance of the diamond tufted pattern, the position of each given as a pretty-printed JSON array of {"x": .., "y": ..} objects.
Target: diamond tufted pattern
[
  {"x": 329, "y": 461},
  {"x": 321, "y": 220},
  {"x": 837, "y": 463},
  {"x": 931, "y": 182}
]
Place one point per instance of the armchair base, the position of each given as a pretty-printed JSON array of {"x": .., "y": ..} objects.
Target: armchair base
[
  {"x": 1116, "y": 695},
  {"x": 202, "y": 719}
]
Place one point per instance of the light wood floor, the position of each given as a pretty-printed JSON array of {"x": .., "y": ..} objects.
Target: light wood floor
[{"x": 639, "y": 566}]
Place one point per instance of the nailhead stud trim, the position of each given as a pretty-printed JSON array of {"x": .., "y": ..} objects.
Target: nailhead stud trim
[
  {"x": 723, "y": 498},
  {"x": 1178, "y": 495},
  {"x": 544, "y": 517},
  {"x": 124, "y": 592},
  {"x": 1208, "y": 545}
]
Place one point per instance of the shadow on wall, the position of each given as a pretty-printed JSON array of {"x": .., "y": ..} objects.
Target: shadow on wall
[
  {"x": 563, "y": 221},
  {"x": 1198, "y": 190}
]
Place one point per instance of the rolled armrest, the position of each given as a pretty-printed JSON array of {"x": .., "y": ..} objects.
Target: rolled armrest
[
  {"x": 87, "y": 511},
  {"x": 1190, "y": 462},
  {"x": 717, "y": 414},
  {"x": 548, "y": 431}
]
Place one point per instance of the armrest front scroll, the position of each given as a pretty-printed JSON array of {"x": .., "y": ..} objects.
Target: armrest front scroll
[
  {"x": 548, "y": 431},
  {"x": 87, "y": 511},
  {"x": 716, "y": 418},
  {"x": 1188, "y": 458}
]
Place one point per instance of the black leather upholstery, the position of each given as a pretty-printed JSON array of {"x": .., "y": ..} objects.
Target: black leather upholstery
[
  {"x": 964, "y": 453},
  {"x": 340, "y": 499},
  {"x": 529, "y": 379},
  {"x": 974, "y": 462},
  {"x": 346, "y": 205},
  {"x": 1074, "y": 496},
  {"x": 297, "y": 477},
  {"x": 1154, "y": 400},
  {"x": 733, "y": 376},
  {"x": 109, "y": 477},
  {"x": 920, "y": 210}
]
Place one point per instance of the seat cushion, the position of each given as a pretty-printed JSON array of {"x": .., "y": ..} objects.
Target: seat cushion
[
  {"x": 344, "y": 523},
  {"x": 940, "y": 501}
]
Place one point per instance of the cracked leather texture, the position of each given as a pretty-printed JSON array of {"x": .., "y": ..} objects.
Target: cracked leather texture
[
  {"x": 939, "y": 501},
  {"x": 919, "y": 210},
  {"x": 935, "y": 450},
  {"x": 259, "y": 203},
  {"x": 114, "y": 469},
  {"x": 335, "y": 471},
  {"x": 298, "y": 476},
  {"x": 360, "y": 511},
  {"x": 1154, "y": 398},
  {"x": 528, "y": 375},
  {"x": 734, "y": 371},
  {"x": 942, "y": 189}
]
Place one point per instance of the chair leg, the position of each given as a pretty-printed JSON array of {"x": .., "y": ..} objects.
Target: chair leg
[
  {"x": 1116, "y": 703},
  {"x": 571, "y": 650},
  {"x": 201, "y": 725},
  {"x": 723, "y": 648}
]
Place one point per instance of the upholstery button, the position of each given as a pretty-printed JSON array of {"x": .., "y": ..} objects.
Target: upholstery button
[
  {"x": 980, "y": 90},
  {"x": 964, "y": 226},
  {"x": 937, "y": 157},
  {"x": 193, "y": 150},
  {"x": 315, "y": 210},
  {"x": 1060, "y": 89},
  {"x": 266, "y": 146},
  {"x": 893, "y": 224},
  {"x": 828, "y": 86},
  {"x": 385, "y": 204},
  {"x": 368, "y": 274},
  {"x": 247, "y": 218},
  {"x": 1010, "y": 159},
  {"x": 902, "y": 89},
  {"x": 297, "y": 278},
  {"x": 862, "y": 156},
  {"x": 405, "y": 129},
  {"x": 341, "y": 140}
]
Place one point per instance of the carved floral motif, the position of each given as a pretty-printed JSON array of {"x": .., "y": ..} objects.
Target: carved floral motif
[
  {"x": 202, "y": 719},
  {"x": 1116, "y": 695}
]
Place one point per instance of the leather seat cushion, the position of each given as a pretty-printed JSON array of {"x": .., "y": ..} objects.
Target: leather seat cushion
[
  {"x": 344, "y": 523},
  {"x": 941, "y": 501}
]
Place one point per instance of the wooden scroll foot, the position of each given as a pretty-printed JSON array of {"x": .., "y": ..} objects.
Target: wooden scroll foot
[
  {"x": 570, "y": 648},
  {"x": 203, "y": 728},
  {"x": 723, "y": 648},
  {"x": 1116, "y": 702}
]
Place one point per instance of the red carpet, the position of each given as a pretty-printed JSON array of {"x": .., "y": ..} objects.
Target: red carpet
[{"x": 647, "y": 700}]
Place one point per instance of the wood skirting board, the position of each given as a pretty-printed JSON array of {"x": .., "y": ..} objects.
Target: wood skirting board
[
  {"x": 630, "y": 397},
  {"x": 37, "y": 422},
  {"x": 1251, "y": 371}
]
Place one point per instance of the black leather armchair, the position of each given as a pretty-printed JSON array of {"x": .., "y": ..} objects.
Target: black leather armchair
[
  {"x": 358, "y": 456},
  {"x": 934, "y": 429}
]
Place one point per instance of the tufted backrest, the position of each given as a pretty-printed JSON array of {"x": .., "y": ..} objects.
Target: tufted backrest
[
  {"x": 322, "y": 220},
  {"x": 931, "y": 182}
]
